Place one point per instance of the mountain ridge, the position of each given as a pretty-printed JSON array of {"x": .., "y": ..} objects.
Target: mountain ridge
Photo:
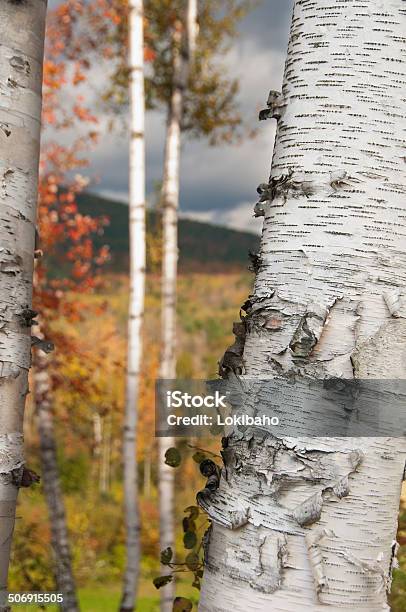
[{"x": 202, "y": 246}]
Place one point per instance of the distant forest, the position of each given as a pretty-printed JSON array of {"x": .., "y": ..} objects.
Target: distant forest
[{"x": 203, "y": 247}]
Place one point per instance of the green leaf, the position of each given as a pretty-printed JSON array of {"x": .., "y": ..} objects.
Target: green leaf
[
  {"x": 188, "y": 524},
  {"x": 189, "y": 539},
  {"x": 199, "y": 457},
  {"x": 194, "y": 511},
  {"x": 196, "y": 584},
  {"x": 166, "y": 555},
  {"x": 181, "y": 604},
  {"x": 192, "y": 561},
  {"x": 208, "y": 468},
  {"x": 173, "y": 457},
  {"x": 161, "y": 581}
]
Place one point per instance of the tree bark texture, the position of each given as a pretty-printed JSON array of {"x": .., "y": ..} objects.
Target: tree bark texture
[
  {"x": 309, "y": 523},
  {"x": 22, "y": 28},
  {"x": 183, "y": 45}
]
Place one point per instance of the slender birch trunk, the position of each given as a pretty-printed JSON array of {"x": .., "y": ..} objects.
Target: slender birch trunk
[
  {"x": 183, "y": 47},
  {"x": 65, "y": 582},
  {"x": 22, "y": 28},
  {"x": 97, "y": 450},
  {"x": 105, "y": 472},
  {"x": 147, "y": 472},
  {"x": 136, "y": 301},
  {"x": 317, "y": 517}
]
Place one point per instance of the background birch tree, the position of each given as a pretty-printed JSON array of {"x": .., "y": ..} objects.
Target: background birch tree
[
  {"x": 184, "y": 43},
  {"x": 305, "y": 523},
  {"x": 200, "y": 102},
  {"x": 22, "y": 27},
  {"x": 65, "y": 582},
  {"x": 136, "y": 299},
  {"x": 210, "y": 108}
]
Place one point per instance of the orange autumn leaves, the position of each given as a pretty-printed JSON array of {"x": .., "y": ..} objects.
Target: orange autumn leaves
[
  {"x": 65, "y": 236},
  {"x": 59, "y": 219}
]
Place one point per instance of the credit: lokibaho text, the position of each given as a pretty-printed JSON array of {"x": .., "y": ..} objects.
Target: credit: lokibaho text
[{"x": 233, "y": 420}]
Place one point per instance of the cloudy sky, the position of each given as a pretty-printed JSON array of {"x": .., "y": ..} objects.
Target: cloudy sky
[{"x": 218, "y": 184}]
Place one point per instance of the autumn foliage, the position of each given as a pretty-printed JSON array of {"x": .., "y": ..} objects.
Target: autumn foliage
[{"x": 65, "y": 235}]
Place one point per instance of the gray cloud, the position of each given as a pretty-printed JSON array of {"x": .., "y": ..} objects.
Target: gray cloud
[
  {"x": 268, "y": 25},
  {"x": 212, "y": 179}
]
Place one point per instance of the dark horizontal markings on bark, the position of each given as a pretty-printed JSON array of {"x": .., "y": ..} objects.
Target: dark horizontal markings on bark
[
  {"x": 20, "y": 64},
  {"x": 137, "y": 207},
  {"x": 133, "y": 373}
]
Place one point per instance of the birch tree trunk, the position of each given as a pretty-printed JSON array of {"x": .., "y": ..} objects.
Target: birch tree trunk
[
  {"x": 22, "y": 27},
  {"x": 97, "y": 450},
  {"x": 317, "y": 517},
  {"x": 65, "y": 582},
  {"x": 136, "y": 300},
  {"x": 104, "y": 483},
  {"x": 183, "y": 46}
]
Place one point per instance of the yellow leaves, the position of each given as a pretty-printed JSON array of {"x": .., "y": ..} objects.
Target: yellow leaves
[{"x": 79, "y": 520}]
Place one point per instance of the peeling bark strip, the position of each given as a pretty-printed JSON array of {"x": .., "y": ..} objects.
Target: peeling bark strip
[
  {"x": 11, "y": 452},
  {"x": 282, "y": 187},
  {"x": 22, "y": 27},
  {"x": 23, "y": 477},
  {"x": 136, "y": 301},
  {"x": 395, "y": 300},
  {"x": 309, "y": 330},
  {"x": 275, "y": 105},
  {"x": 232, "y": 361},
  {"x": 328, "y": 303},
  {"x": 313, "y": 542}
]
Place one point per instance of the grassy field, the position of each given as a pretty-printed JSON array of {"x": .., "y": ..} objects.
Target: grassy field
[{"x": 107, "y": 598}]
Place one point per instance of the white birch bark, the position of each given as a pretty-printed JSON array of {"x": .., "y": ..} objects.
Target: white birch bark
[
  {"x": 65, "y": 582},
  {"x": 182, "y": 47},
  {"x": 328, "y": 302},
  {"x": 22, "y": 26},
  {"x": 136, "y": 299},
  {"x": 97, "y": 449},
  {"x": 192, "y": 28},
  {"x": 105, "y": 468}
]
